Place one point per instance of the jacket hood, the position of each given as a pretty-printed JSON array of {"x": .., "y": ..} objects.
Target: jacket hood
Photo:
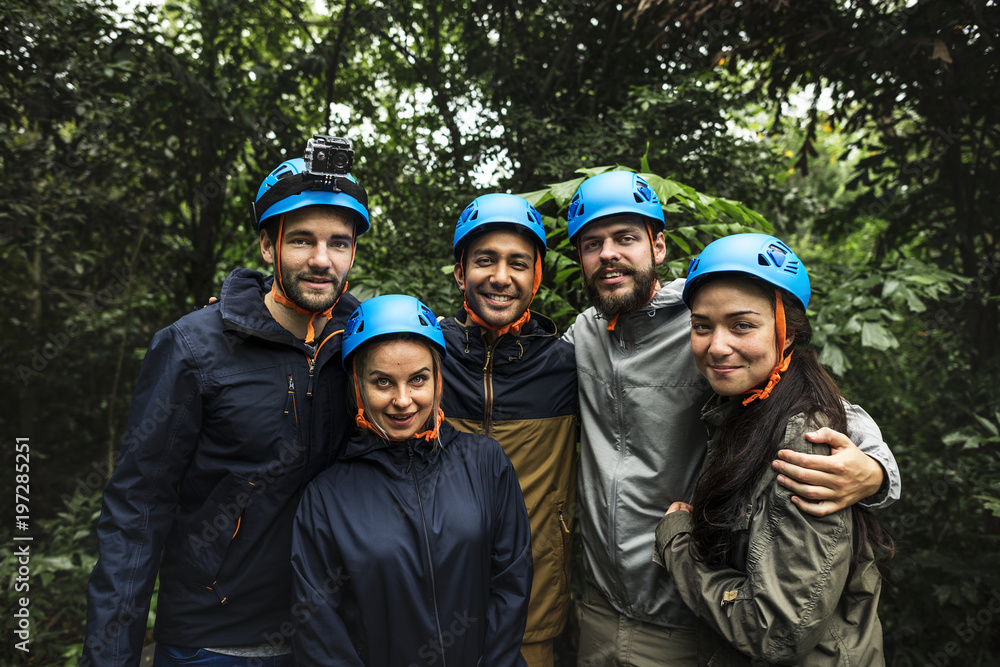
[
  {"x": 243, "y": 310},
  {"x": 241, "y": 303},
  {"x": 669, "y": 295}
]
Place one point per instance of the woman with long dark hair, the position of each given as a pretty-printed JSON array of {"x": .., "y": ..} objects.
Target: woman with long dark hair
[
  {"x": 767, "y": 581},
  {"x": 414, "y": 547}
]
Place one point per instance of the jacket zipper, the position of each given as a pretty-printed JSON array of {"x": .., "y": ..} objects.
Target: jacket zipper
[
  {"x": 430, "y": 561},
  {"x": 619, "y": 416},
  {"x": 488, "y": 389},
  {"x": 291, "y": 406},
  {"x": 312, "y": 373}
]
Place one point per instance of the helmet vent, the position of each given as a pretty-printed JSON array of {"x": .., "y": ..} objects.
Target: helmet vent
[
  {"x": 763, "y": 260},
  {"x": 575, "y": 208},
  {"x": 426, "y": 317},
  {"x": 643, "y": 193},
  {"x": 791, "y": 267},
  {"x": 777, "y": 254}
]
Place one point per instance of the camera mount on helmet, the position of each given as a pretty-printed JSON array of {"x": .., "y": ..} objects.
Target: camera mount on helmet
[{"x": 325, "y": 168}]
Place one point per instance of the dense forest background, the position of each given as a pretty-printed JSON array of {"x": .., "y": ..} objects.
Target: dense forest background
[{"x": 864, "y": 132}]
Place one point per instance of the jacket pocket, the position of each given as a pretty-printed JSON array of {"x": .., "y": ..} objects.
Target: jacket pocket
[{"x": 208, "y": 533}]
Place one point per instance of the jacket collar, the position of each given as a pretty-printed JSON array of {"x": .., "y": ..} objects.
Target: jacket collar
[
  {"x": 717, "y": 410},
  {"x": 473, "y": 339},
  {"x": 366, "y": 445},
  {"x": 669, "y": 296},
  {"x": 241, "y": 303}
]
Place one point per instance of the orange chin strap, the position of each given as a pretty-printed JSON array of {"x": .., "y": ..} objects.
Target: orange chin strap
[
  {"x": 361, "y": 422},
  {"x": 782, "y": 365},
  {"x": 288, "y": 303},
  {"x": 525, "y": 316}
]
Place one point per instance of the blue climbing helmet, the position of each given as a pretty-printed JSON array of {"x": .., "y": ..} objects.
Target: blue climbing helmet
[
  {"x": 386, "y": 317},
  {"x": 291, "y": 186},
  {"x": 613, "y": 193},
  {"x": 497, "y": 211},
  {"x": 758, "y": 255}
]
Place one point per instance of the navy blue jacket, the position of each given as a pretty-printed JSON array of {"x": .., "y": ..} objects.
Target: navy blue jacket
[
  {"x": 231, "y": 418},
  {"x": 404, "y": 560}
]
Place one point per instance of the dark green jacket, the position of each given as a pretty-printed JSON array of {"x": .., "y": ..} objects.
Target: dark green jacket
[{"x": 783, "y": 600}]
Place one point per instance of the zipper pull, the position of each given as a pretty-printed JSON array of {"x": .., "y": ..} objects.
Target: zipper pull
[
  {"x": 409, "y": 453},
  {"x": 291, "y": 392},
  {"x": 312, "y": 375}
]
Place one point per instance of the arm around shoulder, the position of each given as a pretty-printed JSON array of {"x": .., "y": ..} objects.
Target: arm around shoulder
[
  {"x": 863, "y": 430},
  {"x": 780, "y": 607}
]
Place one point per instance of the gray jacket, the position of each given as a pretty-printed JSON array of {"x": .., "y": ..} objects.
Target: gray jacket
[{"x": 642, "y": 446}]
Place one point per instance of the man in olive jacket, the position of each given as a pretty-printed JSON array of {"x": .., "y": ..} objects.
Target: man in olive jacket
[{"x": 509, "y": 376}]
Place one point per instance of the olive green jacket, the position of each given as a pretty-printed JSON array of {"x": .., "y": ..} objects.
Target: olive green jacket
[{"x": 784, "y": 599}]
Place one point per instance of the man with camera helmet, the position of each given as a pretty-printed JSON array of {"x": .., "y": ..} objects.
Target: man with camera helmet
[
  {"x": 508, "y": 375},
  {"x": 237, "y": 407}
]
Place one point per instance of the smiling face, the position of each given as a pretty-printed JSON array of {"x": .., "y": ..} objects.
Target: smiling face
[
  {"x": 398, "y": 383},
  {"x": 317, "y": 249},
  {"x": 619, "y": 263},
  {"x": 498, "y": 275},
  {"x": 733, "y": 335}
]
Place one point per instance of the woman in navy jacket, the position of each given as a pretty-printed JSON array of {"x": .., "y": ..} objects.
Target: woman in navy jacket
[{"x": 414, "y": 547}]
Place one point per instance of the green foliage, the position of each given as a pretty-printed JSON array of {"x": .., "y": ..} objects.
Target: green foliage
[
  {"x": 855, "y": 302},
  {"x": 61, "y": 557},
  {"x": 864, "y": 133}
]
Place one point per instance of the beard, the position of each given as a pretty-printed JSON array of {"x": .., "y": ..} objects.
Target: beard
[
  {"x": 301, "y": 297},
  {"x": 618, "y": 301}
]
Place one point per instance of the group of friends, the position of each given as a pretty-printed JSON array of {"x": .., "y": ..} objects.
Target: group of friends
[{"x": 318, "y": 481}]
